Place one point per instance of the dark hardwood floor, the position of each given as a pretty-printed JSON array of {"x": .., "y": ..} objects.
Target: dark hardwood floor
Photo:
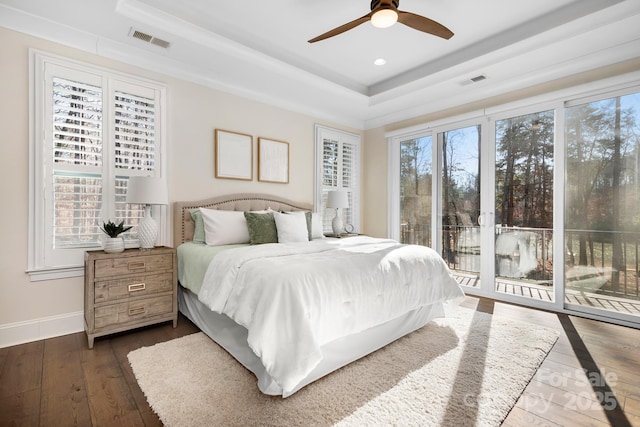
[{"x": 590, "y": 378}]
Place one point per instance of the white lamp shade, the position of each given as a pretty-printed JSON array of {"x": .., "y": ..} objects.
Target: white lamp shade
[
  {"x": 146, "y": 190},
  {"x": 337, "y": 199}
]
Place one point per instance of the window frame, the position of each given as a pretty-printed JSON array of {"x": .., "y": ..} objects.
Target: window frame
[
  {"x": 41, "y": 266},
  {"x": 342, "y": 137}
]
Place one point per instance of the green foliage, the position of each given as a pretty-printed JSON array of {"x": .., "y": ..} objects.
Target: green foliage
[{"x": 113, "y": 230}]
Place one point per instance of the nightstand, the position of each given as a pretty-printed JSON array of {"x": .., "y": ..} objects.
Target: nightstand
[{"x": 128, "y": 290}]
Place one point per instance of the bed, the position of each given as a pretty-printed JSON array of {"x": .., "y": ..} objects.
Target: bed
[{"x": 293, "y": 312}]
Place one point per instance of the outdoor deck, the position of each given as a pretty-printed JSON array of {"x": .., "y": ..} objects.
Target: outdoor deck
[{"x": 545, "y": 293}]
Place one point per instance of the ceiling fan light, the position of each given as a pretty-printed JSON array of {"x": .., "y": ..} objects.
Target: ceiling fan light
[{"x": 384, "y": 18}]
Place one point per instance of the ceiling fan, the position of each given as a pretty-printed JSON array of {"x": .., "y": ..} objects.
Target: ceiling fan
[{"x": 385, "y": 13}]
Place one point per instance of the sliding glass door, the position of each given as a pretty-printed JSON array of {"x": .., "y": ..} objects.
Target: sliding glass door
[
  {"x": 539, "y": 206},
  {"x": 602, "y": 214},
  {"x": 523, "y": 226},
  {"x": 416, "y": 186},
  {"x": 440, "y": 213},
  {"x": 459, "y": 227}
]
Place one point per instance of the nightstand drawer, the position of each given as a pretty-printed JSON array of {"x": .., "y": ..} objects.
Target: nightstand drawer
[
  {"x": 130, "y": 311},
  {"x": 113, "y": 290},
  {"x": 131, "y": 265}
]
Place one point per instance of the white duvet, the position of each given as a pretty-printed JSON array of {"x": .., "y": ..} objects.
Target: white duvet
[{"x": 295, "y": 297}]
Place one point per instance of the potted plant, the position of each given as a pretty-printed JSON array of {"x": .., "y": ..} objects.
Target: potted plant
[{"x": 114, "y": 242}]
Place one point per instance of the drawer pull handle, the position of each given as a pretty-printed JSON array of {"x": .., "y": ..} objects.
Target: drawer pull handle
[
  {"x": 136, "y": 265},
  {"x": 137, "y": 310},
  {"x": 135, "y": 287}
]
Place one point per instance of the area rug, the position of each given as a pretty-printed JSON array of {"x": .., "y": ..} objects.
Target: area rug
[{"x": 466, "y": 369}]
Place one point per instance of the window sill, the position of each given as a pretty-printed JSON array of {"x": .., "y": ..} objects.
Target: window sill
[{"x": 40, "y": 274}]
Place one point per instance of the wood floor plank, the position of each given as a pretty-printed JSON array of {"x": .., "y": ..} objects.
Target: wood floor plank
[
  {"x": 23, "y": 368},
  {"x": 519, "y": 417},
  {"x": 3, "y": 357},
  {"x": 110, "y": 398},
  {"x": 20, "y": 408},
  {"x": 64, "y": 397},
  {"x": 553, "y": 412},
  {"x": 20, "y": 383},
  {"x": 632, "y": 404}
]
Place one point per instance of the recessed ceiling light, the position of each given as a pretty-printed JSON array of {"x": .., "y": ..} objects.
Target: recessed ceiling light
[{"x": 380, "y": 61}]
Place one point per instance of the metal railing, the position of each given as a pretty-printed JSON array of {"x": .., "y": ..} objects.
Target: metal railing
[
  {"x": 596, "y": 263},
  {"x": 525, "y": 253}
]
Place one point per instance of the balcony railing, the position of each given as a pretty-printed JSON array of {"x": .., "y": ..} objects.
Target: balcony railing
[
  {"x": 526, "y": 254},
  {"x": 597, "y": 267}
]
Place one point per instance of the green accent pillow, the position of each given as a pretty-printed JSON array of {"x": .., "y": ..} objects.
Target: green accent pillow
[
  {"x": 198, "y": 232},
  {"x": 262, "y": 228}
]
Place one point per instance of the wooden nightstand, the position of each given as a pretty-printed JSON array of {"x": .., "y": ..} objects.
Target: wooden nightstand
[{"x": 130, "y": 289}]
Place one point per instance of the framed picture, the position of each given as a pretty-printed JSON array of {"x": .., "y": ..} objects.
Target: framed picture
[
  {"x": 273, "y": 161},
  {"x": 234, "y": 155}
]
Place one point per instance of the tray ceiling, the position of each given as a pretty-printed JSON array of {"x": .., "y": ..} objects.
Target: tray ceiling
[{"x": 259, "y": 49}]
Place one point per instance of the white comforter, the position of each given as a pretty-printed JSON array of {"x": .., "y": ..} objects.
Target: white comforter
[{"x": 293, "y": 298}]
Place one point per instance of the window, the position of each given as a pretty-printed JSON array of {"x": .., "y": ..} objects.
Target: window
[
  {"x": 93, "y": 129},
  {"x": 337, "y": 168}
]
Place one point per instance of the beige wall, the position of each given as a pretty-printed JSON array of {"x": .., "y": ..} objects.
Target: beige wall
[
  {"x": 193, "y": 114},
  {"x": 375, "y": 159}
]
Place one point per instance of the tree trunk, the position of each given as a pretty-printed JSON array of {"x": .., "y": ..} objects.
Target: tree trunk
[
  {"x": 446, "y": 229},
  {"x": 617, "y": 261}
]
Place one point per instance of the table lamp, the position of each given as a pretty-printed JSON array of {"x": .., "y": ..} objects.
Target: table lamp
[
  {"x": 147, "y": 191},
  {"x": 337, "y": 200}
]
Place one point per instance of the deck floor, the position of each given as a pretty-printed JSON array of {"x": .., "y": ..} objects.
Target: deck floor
[{"x": 545, "y": 293}]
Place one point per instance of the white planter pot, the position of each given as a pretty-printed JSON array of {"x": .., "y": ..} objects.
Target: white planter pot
[{"x": 113, "y": 245}]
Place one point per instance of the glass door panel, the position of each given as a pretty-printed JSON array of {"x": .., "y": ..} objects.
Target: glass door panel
[
  {"x": 524, "y": 205},
  {"x": 460, "y": 208},
  {"x": 602, "y": 213},
  {"x": 415, "y": 191}
]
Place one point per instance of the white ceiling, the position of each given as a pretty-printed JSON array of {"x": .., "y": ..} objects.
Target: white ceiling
[{"x": 259, "y": 49}]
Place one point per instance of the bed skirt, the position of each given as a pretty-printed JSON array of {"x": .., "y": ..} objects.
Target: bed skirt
[{"x": 233, "y": 338}]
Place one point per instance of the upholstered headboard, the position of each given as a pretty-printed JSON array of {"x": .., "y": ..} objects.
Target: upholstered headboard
[{"x": 183, "y": 225}]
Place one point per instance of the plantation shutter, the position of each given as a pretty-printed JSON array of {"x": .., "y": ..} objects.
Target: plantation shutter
[
  {"x": 350, "y": 179},
  {"x": 339, "y": 169},
  {"x": 135, "y": 147},
  {"x": 77, "y": 163},
  {"x": 98, "y": 130}
]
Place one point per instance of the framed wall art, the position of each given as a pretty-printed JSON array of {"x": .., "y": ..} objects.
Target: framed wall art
[
  {"x": 234, "y": 155},
  {"x": 273, "y": 161}
]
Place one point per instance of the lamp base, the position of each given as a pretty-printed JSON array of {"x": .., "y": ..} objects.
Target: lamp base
[
  {"x": 337, "y": 225},
  {"x": 147, "y": 230}
]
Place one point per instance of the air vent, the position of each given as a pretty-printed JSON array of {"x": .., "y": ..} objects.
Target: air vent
[
  {"x": 149, "y": 38},
  {"x": 472, "y": 80}
]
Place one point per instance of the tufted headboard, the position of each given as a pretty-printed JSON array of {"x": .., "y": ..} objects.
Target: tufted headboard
[{"x": 183, "y": 225}]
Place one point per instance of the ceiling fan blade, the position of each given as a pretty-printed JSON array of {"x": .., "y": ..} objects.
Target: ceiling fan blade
[
  {"x": 341, "y": 29},
  {"x": 423, "y": 24}
]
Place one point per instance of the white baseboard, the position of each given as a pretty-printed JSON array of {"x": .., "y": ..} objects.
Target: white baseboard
[{"x": 39, "y": 329}]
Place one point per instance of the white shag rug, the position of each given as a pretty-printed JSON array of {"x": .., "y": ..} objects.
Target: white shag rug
[{"x": 467, "y": 369}]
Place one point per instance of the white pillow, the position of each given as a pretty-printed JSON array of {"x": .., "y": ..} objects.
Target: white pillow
[
  {"x": 317, "y": 229},
  {"x": 291, "y": 228},
  {"x": 224, "y": 227}
]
